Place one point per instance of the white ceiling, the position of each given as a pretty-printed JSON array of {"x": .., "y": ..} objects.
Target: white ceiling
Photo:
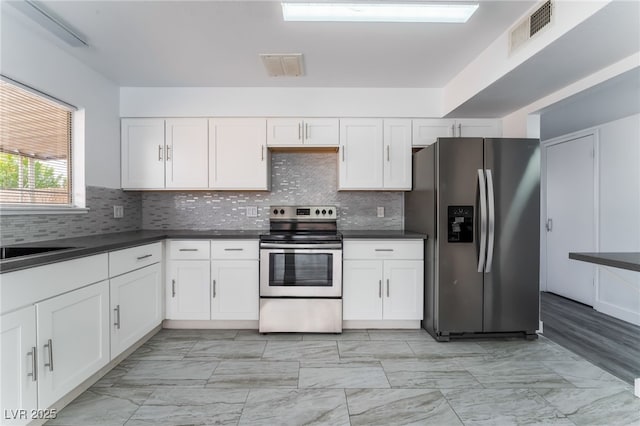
[{"x": 216, "y": 43}]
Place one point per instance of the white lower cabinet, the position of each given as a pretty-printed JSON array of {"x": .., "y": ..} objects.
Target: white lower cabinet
[
  {"x": 136, "y": 306},
  {"x": 188, "y": 292},
  {"x": 383, "y": 280},
  {"x": 18, "y": 369},
  {"x": 235, "y": 290},
  {"x": 73, "y": 340}
]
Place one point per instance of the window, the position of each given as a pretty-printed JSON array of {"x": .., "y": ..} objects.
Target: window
[{"x": 35, "y": 149}]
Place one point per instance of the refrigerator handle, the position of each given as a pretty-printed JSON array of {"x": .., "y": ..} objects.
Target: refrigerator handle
[
  {"x": 483, "y": 220},
  {"x": 491, "y": 207}
]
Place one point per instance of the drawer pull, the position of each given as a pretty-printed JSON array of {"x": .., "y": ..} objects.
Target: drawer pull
[
  {"x": 144, "y": 257},
  {"x": 117, "y": 311},
  {"x": 34, "y": 364},
  {"x": 49, "y": 347},
  {"x": 191, "y": 249},
  {"x": 234, "y": 249},
  {"x": 384, "y": 249}
]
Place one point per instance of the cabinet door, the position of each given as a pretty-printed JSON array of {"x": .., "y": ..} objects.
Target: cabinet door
[
  {"x": 238, "y": 156},
  {"x": 73, "y": 340},
  {"x": 187, "y": 163},
  {"x": 403, "y": 289},
  {"x": 284, "y": 131},
  {"x": 142, "y": 153},
  {"x": 426, "y": 131},
  {"x": 321, "y": 131},
  {"x": 136, "y": 306},
  {"x": 188, "y": 290},
  {"x": 362, "y": 289},
  {"x": 397, "y": 154},
  {"x": 360, "y": 160},
  {"x": 17, "y": 350},
  {"x": 478, "y": 127},
  {"x": 234, "y": 289}
]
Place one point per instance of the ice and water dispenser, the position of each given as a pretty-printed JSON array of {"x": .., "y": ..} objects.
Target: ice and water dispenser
[{"x": 460, "y": 224}]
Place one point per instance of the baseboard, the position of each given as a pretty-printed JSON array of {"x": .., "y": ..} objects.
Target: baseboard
[
  {"x": 211, "y": 324},
  {"x": 617, "y": 312},
  {"x": 637, "y": 387},
  {"x": 381, "y": 324}
]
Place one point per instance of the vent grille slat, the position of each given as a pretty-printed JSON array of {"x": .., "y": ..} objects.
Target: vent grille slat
[
  {"x": 522, "y": 33},
  {"x": 540, "y": 18}
]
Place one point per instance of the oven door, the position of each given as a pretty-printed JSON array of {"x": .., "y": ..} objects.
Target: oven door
[{"x": 300, "y": 272}]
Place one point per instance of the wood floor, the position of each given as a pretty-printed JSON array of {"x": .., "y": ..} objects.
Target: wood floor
[{"x": 607, "y": 342}]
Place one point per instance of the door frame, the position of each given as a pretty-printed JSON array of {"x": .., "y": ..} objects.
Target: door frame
[{"x": 595, "y": 133}]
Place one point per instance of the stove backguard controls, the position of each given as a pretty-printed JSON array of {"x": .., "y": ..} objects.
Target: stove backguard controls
[{"x": 460, "y": 224}]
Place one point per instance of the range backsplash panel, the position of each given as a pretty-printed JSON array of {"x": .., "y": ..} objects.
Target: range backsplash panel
[
  {"x": 296, "y": 178},
  {"x": 98, "y": 220}
]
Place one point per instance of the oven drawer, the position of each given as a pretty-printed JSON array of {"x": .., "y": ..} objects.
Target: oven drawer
[
  {"x": 188, "y": 250},
  {"x": 234, "y": 249},
  {"x": 383, "y": 249}
]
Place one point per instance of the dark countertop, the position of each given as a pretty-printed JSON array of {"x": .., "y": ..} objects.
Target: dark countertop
[
  {"x": 623, "y": 260},
  {"x": 373, "y": 234},
  {"x": 102, "y": 243}
]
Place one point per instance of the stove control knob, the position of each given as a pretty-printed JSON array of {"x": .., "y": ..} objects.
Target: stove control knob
[
  {"x": 281, "y": 211},
  {"x": 330, "y": 211},
  {"x": 275, "y": 211},
  {"x": 317, "y": 212},
  {"x": 324, "y": 211}
]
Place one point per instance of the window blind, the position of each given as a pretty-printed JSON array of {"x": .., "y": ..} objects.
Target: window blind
[{"x": 35, "y": 148}]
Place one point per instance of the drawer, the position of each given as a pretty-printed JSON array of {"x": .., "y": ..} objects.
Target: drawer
[
  {"x": 234, "y": 249},
  {"x": 189, "y": 249},
  {"x": 126, "y": 260},
  {"x": 383, "y": 249}
]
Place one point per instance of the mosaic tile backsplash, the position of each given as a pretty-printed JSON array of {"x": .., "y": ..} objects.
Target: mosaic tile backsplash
[
  {"x": 99, "y": 219},
  {"x": 296, "y": 178}
]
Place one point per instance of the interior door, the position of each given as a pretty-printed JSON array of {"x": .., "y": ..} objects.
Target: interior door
[{"x": 570, "y": 221}]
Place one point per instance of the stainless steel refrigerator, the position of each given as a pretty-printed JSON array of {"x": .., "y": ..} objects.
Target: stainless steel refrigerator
[{"x": 478, "y": 200}]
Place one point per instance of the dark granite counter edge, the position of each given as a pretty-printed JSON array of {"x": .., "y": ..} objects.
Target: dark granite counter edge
[
  {"x": 616, "y": 260},
  {"x": 103, "y": 243}
]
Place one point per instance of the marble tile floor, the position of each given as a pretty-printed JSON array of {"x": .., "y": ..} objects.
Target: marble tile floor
[{"x": 361, "y": 377}]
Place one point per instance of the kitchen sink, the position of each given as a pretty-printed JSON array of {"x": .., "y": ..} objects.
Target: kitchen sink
[{"x": 10, "y": 252}]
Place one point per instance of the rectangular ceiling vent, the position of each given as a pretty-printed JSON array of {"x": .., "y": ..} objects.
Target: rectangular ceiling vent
[
  {"x": 283, "y": 65},
  {"x": 530, "y": 26}
]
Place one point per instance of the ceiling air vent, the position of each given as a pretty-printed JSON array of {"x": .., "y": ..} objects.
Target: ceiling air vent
[
  {"x": 283, "y": 65},
  {"x": 530, "y": 26}
]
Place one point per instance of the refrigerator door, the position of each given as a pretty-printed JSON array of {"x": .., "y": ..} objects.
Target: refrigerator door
[
  {"x": 459, "y": 292},
  {"x": 511, "y": 287}
]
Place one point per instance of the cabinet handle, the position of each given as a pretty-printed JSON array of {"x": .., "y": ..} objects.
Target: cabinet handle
[
  {"x": 233, "y": 249},
  {"x": 380, "y": 289},
  {"x": 34, "y": 364},
  {"x": 214, "y": 289},
  {"x": 144, "y": 257},
  {"x": 343, "y": 153},
  {"x": 168, "y": 152},
  {"x": 49, "y": 347},
  {"x": 117, "y": 311},
  {"x": 388, "y": 147},
  {"x": 299, "y": 131},
  {"x": 159, "y": 152},
  {"x": 188, "y": 249},
  {"x": 306, "y": 130},
  {"x": 387, "y": 287},
  {"x": 262, "y": 152},
  {"x": 173, "y": 288},
  {"x": 453, "y": 130},
  {"x": 383, "y": 249}
]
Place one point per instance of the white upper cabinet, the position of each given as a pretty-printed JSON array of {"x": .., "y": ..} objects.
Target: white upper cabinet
[
  {"x": 142, "y": 153},
  {"x": 186, "y": 154},
  {"x": 158, "y": 153},
  {"x": 301, "y": 132},
  {"x": 426, "y": 131},
  {"x": 361, "y": 154},
  {"x": 238, "y": 155},
  {"x": 397, "y": 154},
  {"x": 375, "y": 154}
]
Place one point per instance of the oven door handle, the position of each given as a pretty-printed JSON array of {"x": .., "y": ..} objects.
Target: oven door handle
[{"x": 300, "y": 246}]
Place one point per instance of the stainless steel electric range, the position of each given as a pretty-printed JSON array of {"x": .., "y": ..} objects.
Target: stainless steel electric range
[{"x": 301, "y": 271}]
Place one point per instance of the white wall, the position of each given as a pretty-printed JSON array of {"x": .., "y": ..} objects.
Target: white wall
[
  {"x": 33, "y": 57},
  {"x": 618, "y": 291},
  {"x": 271, "y": 101}
]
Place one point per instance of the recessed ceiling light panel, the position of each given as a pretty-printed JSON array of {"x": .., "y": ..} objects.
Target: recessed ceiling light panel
[{"x": 379, "y": 12}]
